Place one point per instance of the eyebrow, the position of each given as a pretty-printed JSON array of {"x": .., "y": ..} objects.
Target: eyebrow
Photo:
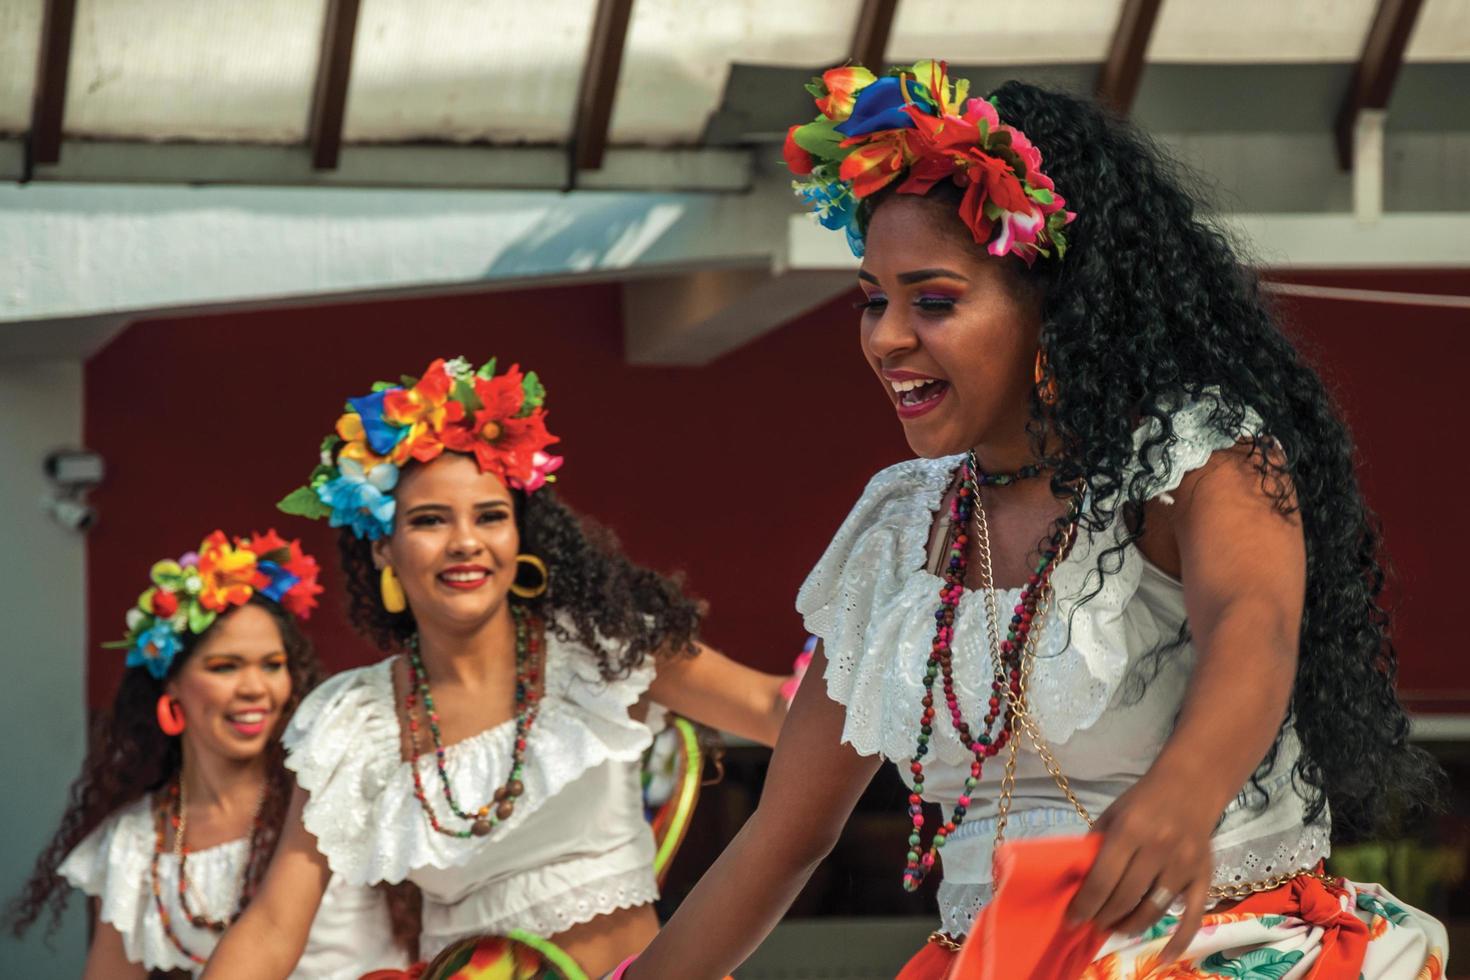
[
  {"x": 918, "y": 275},
  {"x": 479, "y": 506}
]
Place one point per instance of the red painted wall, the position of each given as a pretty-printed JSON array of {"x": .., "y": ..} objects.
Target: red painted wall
[{"x": 737, "y": 473}]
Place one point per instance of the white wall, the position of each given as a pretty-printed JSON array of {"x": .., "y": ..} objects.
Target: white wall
[{"x": 43, "y": 632}]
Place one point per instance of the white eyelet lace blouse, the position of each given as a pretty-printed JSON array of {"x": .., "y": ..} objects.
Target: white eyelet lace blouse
[
  {"x": 576, "y": 847},
  {"x": 350, "y": 935},
  {"x": 1094, "y": 690}
]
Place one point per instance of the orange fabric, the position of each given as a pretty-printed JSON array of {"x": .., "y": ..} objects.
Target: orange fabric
[
  {"x": 1023, "y": 933},
  {"x": 930, "y": 963},
  {"x": 1345, "y": 936}
]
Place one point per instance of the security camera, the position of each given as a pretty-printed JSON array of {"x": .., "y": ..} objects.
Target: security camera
[
  {"x": 75, "y": 469},
  {"x": 70, "y": 513}
]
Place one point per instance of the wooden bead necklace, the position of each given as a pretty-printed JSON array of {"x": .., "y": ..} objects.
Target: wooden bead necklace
[{"x": 530, "y": 634}]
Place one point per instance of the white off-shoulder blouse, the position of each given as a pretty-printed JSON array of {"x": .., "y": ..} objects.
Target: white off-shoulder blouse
[
  {"x": 576, "y": 847},
  {"x": 351, "y": 934},
  {"x": 1104, "y": 696}
]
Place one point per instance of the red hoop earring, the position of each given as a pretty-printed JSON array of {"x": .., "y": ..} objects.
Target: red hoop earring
[{"x": 170, "y": 716}]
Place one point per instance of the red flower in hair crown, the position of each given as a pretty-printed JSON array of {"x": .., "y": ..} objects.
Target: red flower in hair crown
[
  {"x": 916, "y": 127},
  {"x": 500, "y": 420}
]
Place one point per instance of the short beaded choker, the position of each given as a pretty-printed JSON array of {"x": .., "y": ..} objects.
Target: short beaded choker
[
  {"x": 980, "y": 478},
  {"x": 171, "y": 813},
  {"x": 529, "y": 636},
  {"x": 1009, "y": 657}
]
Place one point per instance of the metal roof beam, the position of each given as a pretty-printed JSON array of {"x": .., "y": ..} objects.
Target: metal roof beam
[
  {"x": 329, "y": 100},
  {"x": 1117, "y": 82},
  {"x": 1377, "y": 70},
  {"x": 599, "y": 85},
  {"x": 870, "y": 36},
  {"x": 51, "y": 73}
]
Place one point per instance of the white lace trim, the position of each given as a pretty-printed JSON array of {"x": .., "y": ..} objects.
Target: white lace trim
[
  {"x": 344, "y": 745},
  {"x": 1291, "y": 850},
  {"x": 571, "y": 906}
]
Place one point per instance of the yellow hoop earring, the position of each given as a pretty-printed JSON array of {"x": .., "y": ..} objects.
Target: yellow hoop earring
[
  {"x": 392, "y": 591},
  {"x": 530, "y": 591}
]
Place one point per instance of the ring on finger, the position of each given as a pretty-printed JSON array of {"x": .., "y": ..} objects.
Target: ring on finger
[{"x": 1162, "y": 898}]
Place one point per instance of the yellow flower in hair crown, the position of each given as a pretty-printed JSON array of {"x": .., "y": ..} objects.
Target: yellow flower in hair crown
[
  {"x": 186, "y": 595},
  {"x": 500, "y": 420}
]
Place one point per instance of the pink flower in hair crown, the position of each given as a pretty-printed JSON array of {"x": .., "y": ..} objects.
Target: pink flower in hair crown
[{"x": 915, "y": 127}]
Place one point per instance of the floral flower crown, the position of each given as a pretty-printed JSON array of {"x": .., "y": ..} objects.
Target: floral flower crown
[
  {"x": 187, "y": 595},
  {"x": 916, "y": 125},
  {"x": 498, "y": 420}
]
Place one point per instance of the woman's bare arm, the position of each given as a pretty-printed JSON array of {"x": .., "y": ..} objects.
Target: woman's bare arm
[
  {"x": 107, "y": 959},
  {"x": 812, "y": 786},
  {"x": 714, "y": 690},
  {"x": 269, "y": 938}
]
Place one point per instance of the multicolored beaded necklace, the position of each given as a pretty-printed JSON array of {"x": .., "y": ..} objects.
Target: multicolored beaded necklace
[
  {"x": 171, "y": 813},
  {"x": 529, "y": 636},
  {"x": 1008, "y": 656}
]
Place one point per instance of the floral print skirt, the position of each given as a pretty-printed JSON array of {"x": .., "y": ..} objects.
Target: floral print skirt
[{"x": 1302, "y": 930}]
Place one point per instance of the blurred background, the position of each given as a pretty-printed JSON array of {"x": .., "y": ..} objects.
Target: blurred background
[{"x": 219, "y": 216}]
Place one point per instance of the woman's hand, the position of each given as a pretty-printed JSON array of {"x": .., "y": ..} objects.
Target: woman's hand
[{"x": 1156, "y": 851}]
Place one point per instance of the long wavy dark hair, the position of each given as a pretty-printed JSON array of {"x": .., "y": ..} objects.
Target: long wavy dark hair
[
  {"x": 129, "y": 757},
  {"x": 619, "y": 611},
  {"x": 1152, "y": 304}
]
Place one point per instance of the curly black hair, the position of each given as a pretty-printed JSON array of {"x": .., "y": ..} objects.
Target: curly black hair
[
  {"x": 1151, "y": 305},
  {"x": 594, "y": 597},
  {"x": 130, "y": 757}
]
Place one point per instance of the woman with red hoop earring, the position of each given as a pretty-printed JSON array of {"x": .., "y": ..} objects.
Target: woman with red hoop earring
[{"x": 180, "y": 801}]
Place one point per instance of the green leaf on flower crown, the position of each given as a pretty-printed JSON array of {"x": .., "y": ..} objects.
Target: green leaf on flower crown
[
  {"x": 464, "y": 393},
  {"x": 405, "y": 381},
  {"x": 821, "y": 139},
  {"x": 1039, "y": 194},
  {"x": 534, "y": 394},
  {"x": 303, "y": 502},
  {"x": 145, "y": 601},
  {"x": 817, "y": 87},
  {"x": 332, "y": 441},
  {"x": 487, "y": 370},
  {"x": 377, "y": 387},
  {"x": 167, "y": 575},
  {"x": 200, "y": 619},
  {"x": 321, "y": 474}
]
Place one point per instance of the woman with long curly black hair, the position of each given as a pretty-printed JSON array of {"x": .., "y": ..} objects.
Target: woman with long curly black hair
[
  {"x": 179, "y": 806},
  {"x": 493, "y": 756},
  {"x": 1130, "y": 586}
]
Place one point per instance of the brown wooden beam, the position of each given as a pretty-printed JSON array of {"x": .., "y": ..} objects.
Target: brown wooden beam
[
  {"x": 51, "y": 71},
  {"x": 329, "y": 99},
  {"x": 600, "y": 83},
  {"x": 870, "y": 38},
  {"x": 1117, "y": 83},
  {"x": 1377, "y": 69}
]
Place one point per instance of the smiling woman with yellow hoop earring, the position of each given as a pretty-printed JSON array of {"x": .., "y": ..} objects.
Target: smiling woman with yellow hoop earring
[{"x": 526, "y": 655}]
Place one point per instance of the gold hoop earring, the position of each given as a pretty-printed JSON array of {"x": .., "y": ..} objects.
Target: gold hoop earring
[
  {"x": 531, "y": 591},
  {"x": 392, "y": 591},
  {"x": 1046, "y": 382}
]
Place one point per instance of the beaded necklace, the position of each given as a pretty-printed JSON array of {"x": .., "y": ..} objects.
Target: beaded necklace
[
  {"x": 171, "y": 813},
  {"x": 1009, "y": 657},
  {"x": 529, "y": 634}
]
